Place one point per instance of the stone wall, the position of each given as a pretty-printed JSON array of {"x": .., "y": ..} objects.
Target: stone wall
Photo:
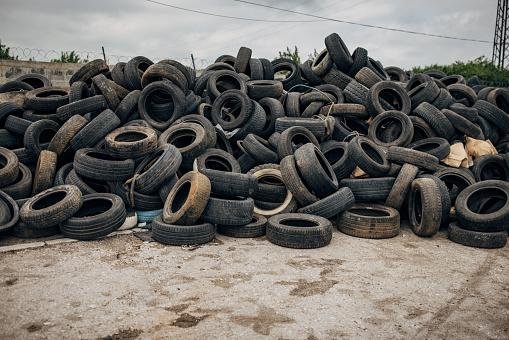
[{"x": 58, "y": 73}]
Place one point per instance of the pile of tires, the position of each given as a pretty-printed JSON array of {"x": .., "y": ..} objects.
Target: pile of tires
[{"x": 253, "y": 147}]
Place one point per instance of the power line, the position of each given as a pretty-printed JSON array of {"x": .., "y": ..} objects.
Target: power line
[
  {"x": 365, "y": 25},
  {"x": 226, "y": 16}
]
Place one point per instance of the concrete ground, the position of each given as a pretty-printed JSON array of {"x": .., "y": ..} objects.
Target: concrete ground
[{"x": 123, "y": 287}]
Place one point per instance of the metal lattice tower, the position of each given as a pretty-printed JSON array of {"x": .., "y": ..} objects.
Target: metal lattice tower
[{"x": 500, "y": 56}]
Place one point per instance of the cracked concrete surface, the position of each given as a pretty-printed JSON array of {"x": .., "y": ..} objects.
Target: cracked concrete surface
[{"x": 124, "y": 288}]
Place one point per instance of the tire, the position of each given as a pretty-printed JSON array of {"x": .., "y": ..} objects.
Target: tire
[
  {"x": 360, "y": 60},
  {"x": 258, "y": 89},
  {"x": 256, "y": 228},
  {"x": 259, "y": 149},
  {"x": 25, "y": 156},
  {"x": 401, "y": 186},
  {"x": 436, "y": 146},
  {"x": 89, "y": 70},
  {"x": 421, "y": 129},
  {"x": 445, "y": 199},
  {"x": 338, "y": 52},
  {"x": 293, "y": 78},
  {"x": 117, "y": 74},
  {"x": 95, "y": 130},
  {"x": 45, "y": 170},
  {"x": 229, "y": 211},
  {"x": 337, "y": 78},
  {"x": 187, "y": 199},
  {"x": 300, "y": 231},
  {"x": 292, "y": 104},
  {"x": 242, "y": 60},
  {"x": 133, "y": 71},
  {"x": 178, "y": 135},
  {"x": 101, "y": 83},
  {"x": 345, "y": 110},
  {"x": 424, "y": 207},
  {"x": 166, "y": 186},
  {"x": 380, "y": 129},
  {"x": 10, "y": 208},
  {"x": 332, "y": 205},
  {"x": 484, "y": 206},
  {"x": 16, "y": 124},
  {"x": 426, "y": 92},
  {"x": 62, "y": 138},
  {"x": 463, "y": 125},
  {"x": 272, "y": 174},
  {"x": 316, "y": 170},
  {"x": 356, "y": 93},
  {"x": 493, "y": 114},
  {"x": 22, "y": 186},
  {"x": 98, "y": 216},
  {"x": 51, "y": 206},
  {"x": 293, "y": 181},
  {"x": 177, "y": 235},
  {"x": 39, "y": 133},
  {"x": 46, "y": 99},
  {"x": 274, "y": 110},
  {"x": 322, "y": 63},
  {"x": 490, "y": 167},
  {"x": 232, "y": 97},
  {"x": 221, "y": 81},
  {"x": 9, "y": 109},
  {"x": 21, "y": 230},
  {"x": 444, "y": 100},
  {"x": 396, "y": 74},
  {"x": 462, "y": 91},
  {"x": 210, "y": 130},
  {"x": 14, "y": 86},
  {"x": 94, "y": 104},
  {"x": 188, "y": 72},
  {"x": 9, "y": 167},
  {"x": 61, "y": 174},
  {"x": 389, "y": 92},
  {"x": 420, "y": 159},
  {"x": 35, "y": 80},
  {"x": 10, "y": 140},
  {"x": 230, "y": 184},
  {"x": 128, "y": 106},
  {"x": 469, "y": 113},
  {"x": 369, "y": 189},
  {"x": 297, "y": 136},
  {"x": 456, "y": 180},
  {"x": 476, "y": 239},
  {"x": 307, "y": 74},
  {"x": 368, "y": 156},
  {"x": 336, "y": 154},
  {"x": 164, "y": 71},
  {"x": 436, "y": 119},
  {"x": 147, "y": 96},
  {"x": 157, "y": 167},
  {"x": 367, "y": 77},
  {"x": 102, "y": 165},
  {"x": 372, "y": 221},
  {"x": 320, "y": 127},
  {"x": 131, "y": 141}
]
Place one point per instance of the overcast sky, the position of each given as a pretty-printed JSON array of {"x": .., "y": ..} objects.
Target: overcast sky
[{"x": 137, "y": 27}]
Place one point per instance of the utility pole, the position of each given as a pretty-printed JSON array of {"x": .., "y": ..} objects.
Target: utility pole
[
  {"x": 500, "y": 57},
  {"x": 104, "y": 55},
  {"x": 192, "y": 59}
]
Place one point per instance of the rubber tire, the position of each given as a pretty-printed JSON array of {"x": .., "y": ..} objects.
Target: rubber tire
[
  {"x": 177, "y": 235},
  {"x": 316, "y": 236},
  {"x": 476, "y": 239},
  {"x": 381, "y": 225}
]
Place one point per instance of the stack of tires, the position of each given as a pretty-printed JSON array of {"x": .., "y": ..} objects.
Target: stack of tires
[{"x": 252, "y": 147}]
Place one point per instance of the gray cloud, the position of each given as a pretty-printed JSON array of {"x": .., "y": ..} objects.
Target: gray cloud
[{"x": 134, "y": 27}]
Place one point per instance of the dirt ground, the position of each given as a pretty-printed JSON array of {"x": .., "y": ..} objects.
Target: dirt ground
[{"x": 123, "y": 287}]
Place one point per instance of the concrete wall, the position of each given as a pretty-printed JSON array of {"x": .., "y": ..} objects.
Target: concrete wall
[{"x": 58, "y": 73}]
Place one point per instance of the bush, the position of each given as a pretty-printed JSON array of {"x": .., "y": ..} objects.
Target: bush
[{"x": 480, "y": 67}]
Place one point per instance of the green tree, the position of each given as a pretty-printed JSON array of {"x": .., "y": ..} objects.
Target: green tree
[
  {"x": 67, "y": 57},
  {"x": 291, "y": 55},
  {"x": 4, "y": 53},
  {"x": 480, "y": 67}
]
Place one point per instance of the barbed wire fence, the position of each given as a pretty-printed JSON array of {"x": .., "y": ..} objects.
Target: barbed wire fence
[{"x": 39, "y": 54}]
